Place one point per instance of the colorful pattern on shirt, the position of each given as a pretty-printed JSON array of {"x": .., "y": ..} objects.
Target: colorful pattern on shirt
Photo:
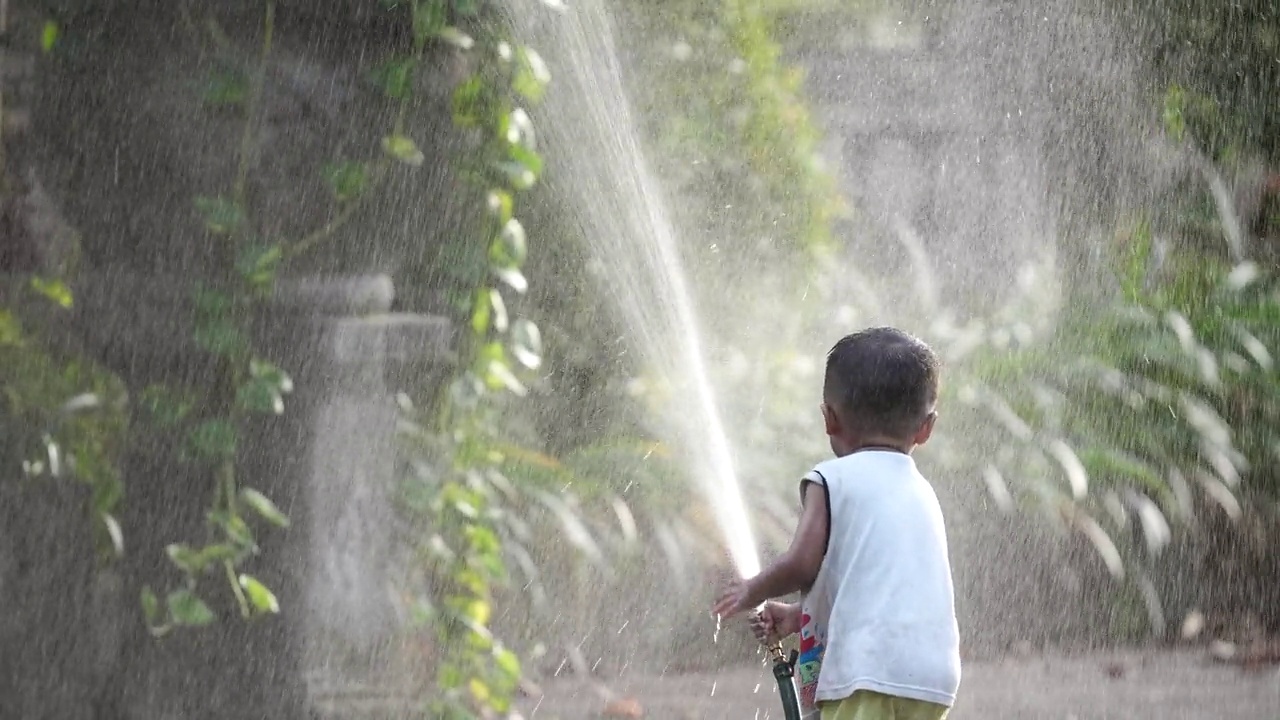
[{"x": 812, "y": 645}]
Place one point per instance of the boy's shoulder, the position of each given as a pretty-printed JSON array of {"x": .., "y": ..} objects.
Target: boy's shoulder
[{"x": 877, "y": 462}]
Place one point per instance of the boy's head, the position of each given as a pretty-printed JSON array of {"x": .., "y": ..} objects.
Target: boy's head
[{"x": 880, "y": 388}]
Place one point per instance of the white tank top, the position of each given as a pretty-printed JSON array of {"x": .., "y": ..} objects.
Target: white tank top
[{"x": 881, "y": 614}]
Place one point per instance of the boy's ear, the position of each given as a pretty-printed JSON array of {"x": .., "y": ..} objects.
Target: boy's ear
[
  {"x": 926, "y": 429},
  {"x": 830, "y": 420}
]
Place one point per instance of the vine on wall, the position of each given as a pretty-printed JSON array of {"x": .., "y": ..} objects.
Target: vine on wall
[
  {"x": 506, "y": 163},
  {"x": 476, "y": 674}
]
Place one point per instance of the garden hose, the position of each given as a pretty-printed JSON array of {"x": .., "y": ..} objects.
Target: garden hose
[{"x": 784, "y": 671}]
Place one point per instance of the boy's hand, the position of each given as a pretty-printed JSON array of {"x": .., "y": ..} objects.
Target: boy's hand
[
  {"x": 776, "y": 621},
  {"x": 736, "y": 599}
]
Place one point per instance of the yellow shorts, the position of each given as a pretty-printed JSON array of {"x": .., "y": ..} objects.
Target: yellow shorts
[{"x": 867, "y": 705}]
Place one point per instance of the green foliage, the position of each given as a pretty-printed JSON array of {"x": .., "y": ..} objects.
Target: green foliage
[
  {"x": 49, "y": 36},
  {"x": 751, "y": 123},
  {"x": 348, "y": 180},
  {"x": 209, "y": 422},
  {"x": 403, "y": 149},
  {"x": 464, "y": 503},
  {"x": 64, "y": 418},
  {"x": 1219, "y": 59},
  {"x": 1132, "y": 418},
  {"x": 53, "y": 290},
  {"x": 780, "y": 140}
]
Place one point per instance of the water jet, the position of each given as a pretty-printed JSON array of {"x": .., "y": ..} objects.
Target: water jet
[{"x": 632, "y": 240}]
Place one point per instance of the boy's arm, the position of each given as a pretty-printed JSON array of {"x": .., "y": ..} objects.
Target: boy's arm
[{"x": 798, "y": 567}]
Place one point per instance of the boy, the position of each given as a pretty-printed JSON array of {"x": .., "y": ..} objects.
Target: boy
[{"x": 877, "y": 613}]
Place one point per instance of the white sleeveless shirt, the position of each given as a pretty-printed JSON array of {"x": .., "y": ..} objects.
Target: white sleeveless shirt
[{"x": 881, "y": 614}]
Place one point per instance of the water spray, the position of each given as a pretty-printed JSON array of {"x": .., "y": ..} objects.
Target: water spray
[{"x": 638, "y": 245}]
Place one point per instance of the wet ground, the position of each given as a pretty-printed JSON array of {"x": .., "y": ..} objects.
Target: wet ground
[{"x": 1161, "y": 685}]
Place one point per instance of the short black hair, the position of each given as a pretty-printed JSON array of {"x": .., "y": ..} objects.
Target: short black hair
[{"x": 882, "y": 380}]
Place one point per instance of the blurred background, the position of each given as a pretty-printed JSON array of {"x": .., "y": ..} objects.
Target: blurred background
[{"x": 410, "y": 358}]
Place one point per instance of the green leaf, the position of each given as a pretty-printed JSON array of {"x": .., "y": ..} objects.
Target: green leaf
[
  {"x": 507, "y": 662},
  {"x": 196, "y": 562},
  {"x": 514, "y": 278},
  {"x": 80, "y": 403},
  {"x": 527, "y": 158},
  {"x": 54, "y": 290},
  {"x": 260, "y": 396},
  {"x": 107, "y": 493},
  {"x": 212, "y": 302},
  {"x": 466, "y": 7},
  {"x": 262, "y": 505},
  {"x": 481, "y": 313},
  {"x": 221, "y": 216},
  {"x": 262, "y": 599},
  {"x": 188, "y": 560},
  {"x": 10, "y": 329},
  {"x": 394, "y": 77},
  {"x": 457, "y": 38},
  {"x": 501, "y": 204},
  {"x": 220, "y": 337},
  {"x": 429, "y": 17},
  {"x": 483, "y": 540},
  {"x": 151, "y": 607},
  {"x": 403, "y": 149},
  {"x": 187, "y": 609},
  {"x": 519, "y": 175},
  {"x": 526, "y": 344},
  {"x": 236, "y": 530},
  {"x": 214, "y": 439},
  {"x": 114, "y": 532},
  {"x": 258, "y": 264},
  {"x": 265, "y": 388},
  {"x": 48, "y": 36},
  {"x": 469, "y": 102},
  {"x": 477, "y": 611},
  {"x": 271, "y": 374},
  {"x": 500, "y": 376},
  {"x": 226, "y": 87},
  {"x": 166, "y": 407},
  {"x": 347, "y": 180},
  {"x": 217, "y": 553},
  {"x": 499, "y": 310},
  {"x": 532, "y": 75},
  {"x": 511, "y": 247},
  {"x": 518, "y": 130}
]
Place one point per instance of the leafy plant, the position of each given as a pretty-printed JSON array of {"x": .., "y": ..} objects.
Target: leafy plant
[
  {"x": 1138, "y": 412},
  {"x": 464, "y": 501},
  {"x": 249, "y": 384},
  {"x": 64, "y": 419}
]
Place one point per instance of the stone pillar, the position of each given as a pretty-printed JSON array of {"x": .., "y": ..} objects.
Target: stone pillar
[
  {"x": 350, "y": 464},
  {"x": 329, "y": 462}
]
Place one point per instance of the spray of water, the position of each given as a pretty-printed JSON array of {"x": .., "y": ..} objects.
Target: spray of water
[{"x": 599, "y": 164}]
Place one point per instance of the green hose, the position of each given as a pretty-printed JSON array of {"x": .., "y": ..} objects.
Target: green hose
[{"x": 784, "y": 670}]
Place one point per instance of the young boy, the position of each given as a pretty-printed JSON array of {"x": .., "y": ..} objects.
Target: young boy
[{"x": 877, "y": 613}]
